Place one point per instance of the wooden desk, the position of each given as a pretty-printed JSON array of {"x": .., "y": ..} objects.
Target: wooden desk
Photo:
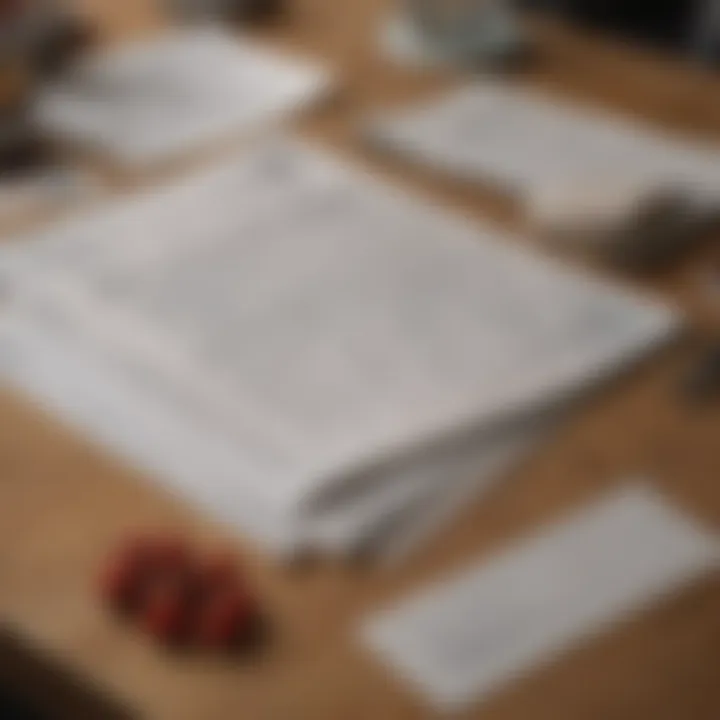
[{"x": 63, "y": 503}]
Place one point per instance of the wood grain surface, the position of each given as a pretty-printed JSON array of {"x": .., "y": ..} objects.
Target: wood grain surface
[{"x": 63, "y": 503}]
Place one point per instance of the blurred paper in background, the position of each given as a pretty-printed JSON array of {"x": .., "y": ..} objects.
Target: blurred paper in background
[
  {"x": 523, "y": 140},
  {"x": 155, "y": 99}
]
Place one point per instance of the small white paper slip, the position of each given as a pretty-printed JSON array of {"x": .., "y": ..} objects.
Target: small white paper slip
[
  {"x": 459, "y": 641},
  {"x": 154, "y": 99}
]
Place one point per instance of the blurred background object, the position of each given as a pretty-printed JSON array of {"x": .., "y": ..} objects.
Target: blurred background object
[
  {"x": 162, "y": 98},
  {"x": 37, "y": 39},
  {"x": 607, "y": 186},
  {"x": 630, "y": 224},
  {"x": 702, "y": 381},
  {"x": 688, "y": 26},
  {"x": 225, "y": 10},
  {"x": 472, "y": 33}
]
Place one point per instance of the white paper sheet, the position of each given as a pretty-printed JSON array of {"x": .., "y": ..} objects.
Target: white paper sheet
[
  {"x": 321, "y": 322},
  {"x": 149, "y": 429},
  {"x": 154, "y": 99},
  {"x": 141, "y": 423},
  {"x": 463, "y": 639},
  {"x": 522, "y": 139}
]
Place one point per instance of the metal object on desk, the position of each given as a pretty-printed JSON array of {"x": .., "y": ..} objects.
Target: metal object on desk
[
  {"x": 702, "y": 382},
  {"x": 681, "y": 26},
  {"x": 225, "y": 10},
  {"x": 705, "y": 42},
  {"x": 471, "y": 33}
]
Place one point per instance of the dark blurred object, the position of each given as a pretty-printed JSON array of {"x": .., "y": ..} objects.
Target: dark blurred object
[
  {"x": 11, "y": 708},
  {"x": 688, "y": 26},
  {"x": 472, "y": 34},
  {"x": 244, "y": 11},
  {"x": 660, "y": 239},
  {"x": 261, "y": 10},
  {"x": 702, "y": 382},
  {"x": 22, "y": 152},
  {"x": 34, "y": 686},
  {"x": 68, "y": 39},
  {"x": 633, "y": 225},
  {"x": 37, "y": 39},
  {"x": 484, "y": 33}
]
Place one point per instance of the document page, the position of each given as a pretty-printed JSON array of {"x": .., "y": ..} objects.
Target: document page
[{"x": 324, "y": 320}]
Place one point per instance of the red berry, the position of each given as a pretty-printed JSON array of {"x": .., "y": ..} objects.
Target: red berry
[
  {"x": 164, "y": 615},
  {"x": 225, "y": 619}
]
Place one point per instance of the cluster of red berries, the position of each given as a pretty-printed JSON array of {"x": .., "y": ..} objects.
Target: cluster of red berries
[{"x": 178, "y": 597}]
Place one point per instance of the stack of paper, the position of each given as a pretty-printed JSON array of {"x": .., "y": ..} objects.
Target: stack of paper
[
  {"x": 311, "y": 354},
  {"x": 154, "y": 99},
  {"x": 521, "y": 139}
]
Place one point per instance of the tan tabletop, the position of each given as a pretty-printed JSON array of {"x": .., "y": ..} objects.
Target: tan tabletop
[{"x": 63, "y": 502}]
